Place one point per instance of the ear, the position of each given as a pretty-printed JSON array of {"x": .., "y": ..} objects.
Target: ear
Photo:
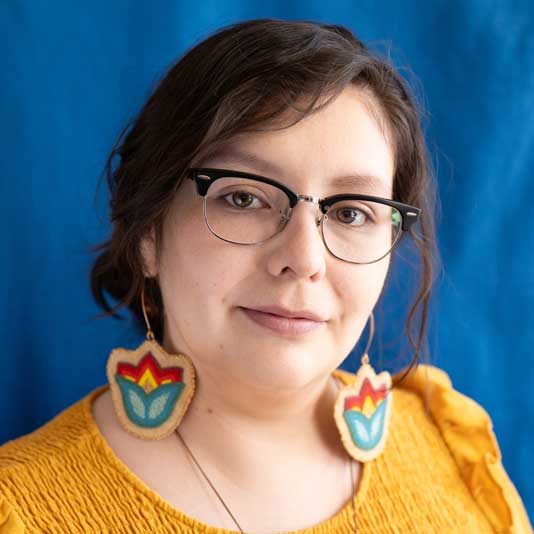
[{"x": 148, "y": 250}]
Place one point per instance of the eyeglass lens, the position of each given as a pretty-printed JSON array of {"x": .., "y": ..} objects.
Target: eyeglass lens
[{"x": 247, "y": 211}]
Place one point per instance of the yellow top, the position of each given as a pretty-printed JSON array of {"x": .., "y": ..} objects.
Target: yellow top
[{"x": 440, "y": 472}]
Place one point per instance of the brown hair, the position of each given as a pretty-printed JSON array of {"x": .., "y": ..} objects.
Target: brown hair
[{"x": 243, "y": 77}]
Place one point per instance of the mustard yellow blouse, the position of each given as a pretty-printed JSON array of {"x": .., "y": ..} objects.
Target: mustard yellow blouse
[{"x": 440, "y": 472}]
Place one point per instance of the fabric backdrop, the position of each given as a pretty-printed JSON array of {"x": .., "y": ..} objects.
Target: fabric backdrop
[{"x": 74, "y": 72}]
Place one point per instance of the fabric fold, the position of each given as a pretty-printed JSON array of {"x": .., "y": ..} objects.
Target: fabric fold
[
  {"x": 467, "y": 430},
  {"x": 10, "y": 522}
]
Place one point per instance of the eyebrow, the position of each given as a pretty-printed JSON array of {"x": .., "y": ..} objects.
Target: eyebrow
[{"x": 355, "y": 180}]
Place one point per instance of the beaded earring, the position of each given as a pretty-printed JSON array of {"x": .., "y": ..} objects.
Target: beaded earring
[
  {"x": 151, "y": 389},
  {"x": 362, "y": 409}
]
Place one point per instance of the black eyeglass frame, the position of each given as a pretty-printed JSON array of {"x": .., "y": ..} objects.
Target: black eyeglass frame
[{"x": 204, "y": 177}]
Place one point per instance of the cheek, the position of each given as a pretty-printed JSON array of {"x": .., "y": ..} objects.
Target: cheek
[
  {"x": 197, "y": 270},
  {"x": 360, "y": 288},
  {"x": 357, "y": 291}
]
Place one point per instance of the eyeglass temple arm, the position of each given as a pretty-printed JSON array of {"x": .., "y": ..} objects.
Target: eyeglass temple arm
[{"x": 409, "y": 217}]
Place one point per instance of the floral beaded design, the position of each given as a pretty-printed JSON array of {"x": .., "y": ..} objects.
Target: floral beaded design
[
  {"x": 151, "y": 389},
  {"x": 149, "y": 393},
  {"x": 365, "y": 415},
  {"x": 362, "y": 412}
]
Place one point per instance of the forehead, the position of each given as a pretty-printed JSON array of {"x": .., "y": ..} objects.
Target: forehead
[{"x": 340, "y": 147}]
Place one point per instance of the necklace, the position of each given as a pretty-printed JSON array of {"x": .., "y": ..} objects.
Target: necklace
[{"x": 228, "y": 510}]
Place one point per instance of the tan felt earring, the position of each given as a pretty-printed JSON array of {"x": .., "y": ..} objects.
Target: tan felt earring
[
  {"x": 151, "y": 389},
  {"x": 362, "y": 410}
]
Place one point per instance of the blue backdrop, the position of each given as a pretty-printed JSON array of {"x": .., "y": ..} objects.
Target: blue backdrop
[{"x": 75, "y": 72}]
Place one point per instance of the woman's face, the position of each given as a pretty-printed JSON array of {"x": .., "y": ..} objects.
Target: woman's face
[{"x": 206, "y": 282}]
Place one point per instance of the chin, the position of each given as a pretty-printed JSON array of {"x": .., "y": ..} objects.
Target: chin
[{"x": 284, "y": 368}]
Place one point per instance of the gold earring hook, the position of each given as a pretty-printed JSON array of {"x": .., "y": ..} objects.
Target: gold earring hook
[
  {"x": 149, "y": 334},
  {"x": 365, "y": 357}
]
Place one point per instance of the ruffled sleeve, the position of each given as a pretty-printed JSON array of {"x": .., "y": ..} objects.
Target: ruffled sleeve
[
  {"x": 468, "y": 432},
  {"x": 10, "y": 522}
]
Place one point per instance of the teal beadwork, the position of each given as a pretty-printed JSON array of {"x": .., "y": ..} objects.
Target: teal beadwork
[
  {"x": 149, "y": 410},
  {"x": 366, "y": 432}
]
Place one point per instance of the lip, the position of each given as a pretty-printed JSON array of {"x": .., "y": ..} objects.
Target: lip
[
  {"x": 296, "y": 314},
  {"x": 282, "y": 325}
]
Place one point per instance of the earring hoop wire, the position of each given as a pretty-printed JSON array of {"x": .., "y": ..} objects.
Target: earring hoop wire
[
  {"x": 365, "y": 356},
  {"x": 149, "y": 333}
]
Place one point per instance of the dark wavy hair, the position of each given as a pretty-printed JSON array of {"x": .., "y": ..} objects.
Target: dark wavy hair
[{"x": 245, "y": 77}]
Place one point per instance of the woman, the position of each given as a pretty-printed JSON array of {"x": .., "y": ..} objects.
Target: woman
[{"x": 258, "y": 198}]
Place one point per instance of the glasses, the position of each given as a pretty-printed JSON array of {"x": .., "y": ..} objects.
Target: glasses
[{"x": 248, "y": 209}]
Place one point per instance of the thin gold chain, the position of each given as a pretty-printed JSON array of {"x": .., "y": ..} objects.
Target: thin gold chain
[
  {"x": 228, "y": 510},
  {"x": 209, "y": 482},
  {"x": 352, "y": 496}
]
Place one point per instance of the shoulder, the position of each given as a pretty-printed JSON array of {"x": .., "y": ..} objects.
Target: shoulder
[
  {"x": 61, "y": 433},
  {"x": 427, "y": 395},
  {"x": 29, "y": 462}
]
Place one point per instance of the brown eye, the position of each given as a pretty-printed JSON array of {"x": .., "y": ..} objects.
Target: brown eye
[
  {"x": 351, "y": 216},
  {"x": 242, "y": 198}
]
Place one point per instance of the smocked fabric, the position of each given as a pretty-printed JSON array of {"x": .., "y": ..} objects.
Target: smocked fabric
[{"x": 440, "y": 472}]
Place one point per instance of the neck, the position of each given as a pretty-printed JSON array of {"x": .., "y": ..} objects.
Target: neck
[{"x": 247, "y": 434}]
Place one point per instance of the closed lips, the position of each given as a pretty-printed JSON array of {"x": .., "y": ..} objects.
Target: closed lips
[
  {"x": 290, "y": 314},
  {"x": 283, "y": 325}
]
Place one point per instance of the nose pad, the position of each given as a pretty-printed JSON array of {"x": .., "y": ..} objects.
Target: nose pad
[{"x": 284, "y": 218}]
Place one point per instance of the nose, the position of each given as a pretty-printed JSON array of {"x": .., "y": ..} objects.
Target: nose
[{"x": 299, "y": 246}]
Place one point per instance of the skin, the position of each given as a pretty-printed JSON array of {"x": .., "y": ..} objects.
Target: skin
[{"x": 261, "y": 421}]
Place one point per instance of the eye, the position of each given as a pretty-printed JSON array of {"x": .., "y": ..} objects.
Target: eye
[
  {"x": 352, "y": 216},
  {"x": 241, "y": 199}
]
